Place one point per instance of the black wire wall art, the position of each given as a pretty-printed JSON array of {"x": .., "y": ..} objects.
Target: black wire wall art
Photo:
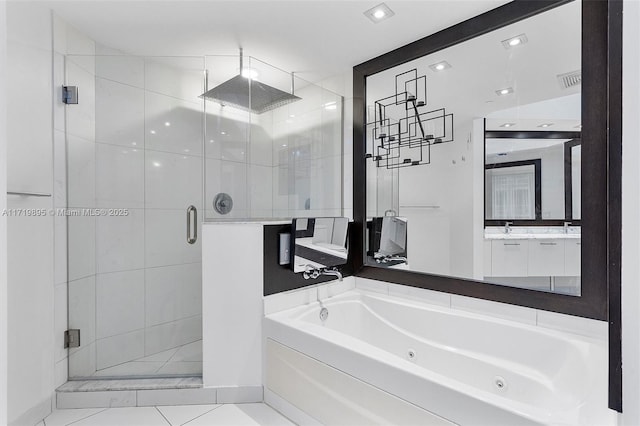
[{"x": 404, "y": 129}]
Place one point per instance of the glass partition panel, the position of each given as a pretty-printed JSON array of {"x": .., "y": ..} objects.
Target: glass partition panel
[
  {"x": 278, "y": 154},
  {"x": 134, "y": 169}
]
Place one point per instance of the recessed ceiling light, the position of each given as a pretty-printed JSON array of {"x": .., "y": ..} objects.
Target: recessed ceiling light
[
  {"x": 166, "y": 123},
  {"x": 155, "y": 163},
  {"x": 508, "y": 125},
  {"x": 545, "y": 125},
  {"x": 515, "y": 41},
  {"x": 133, "y": 143},
  {"x": 223, "y": 133},
  {"x": 379, "y": 13},
  {"x": 292, "y": 115},
  {"x": 505, "y": 91},
  {"x": 153, "y": 132},
  {"x": 250, "y": 73},
  {"x": 440, "y": 66},
  {"x": 284, "y": 145}
]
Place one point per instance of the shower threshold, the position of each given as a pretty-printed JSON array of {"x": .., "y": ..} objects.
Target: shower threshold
[
  {"x": 148, "y": 392},
  {"x": 130, "y": 384},
  {"x": 106, "y": 393}
]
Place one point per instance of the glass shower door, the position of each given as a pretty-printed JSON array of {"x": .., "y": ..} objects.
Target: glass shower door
[{"x": 134, "y": 180}]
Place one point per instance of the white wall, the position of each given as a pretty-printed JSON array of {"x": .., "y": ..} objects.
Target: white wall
[
  {"x": 232, "y": 304},
  {"x": 630, "y": 209},
  {"x": 3, "y": 220},
  {"x": 30, "y": 239}
]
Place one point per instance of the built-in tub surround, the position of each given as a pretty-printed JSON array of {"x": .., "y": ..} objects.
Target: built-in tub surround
[{"x": 442, "y": 360}]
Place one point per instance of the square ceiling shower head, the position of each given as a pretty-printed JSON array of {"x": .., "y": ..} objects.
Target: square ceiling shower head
[{"x": 249, "y": 95}]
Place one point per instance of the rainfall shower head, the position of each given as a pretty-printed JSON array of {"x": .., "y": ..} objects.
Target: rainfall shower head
[{"x": 249, "y": 95}]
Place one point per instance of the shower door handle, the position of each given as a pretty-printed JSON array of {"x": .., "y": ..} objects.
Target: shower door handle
[{"x": 192, "y": 211}]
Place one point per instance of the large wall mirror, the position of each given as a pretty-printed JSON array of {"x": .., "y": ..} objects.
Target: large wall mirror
[
  {"x": 468, "y": 144},
  {"x": 498, "y": 143}
]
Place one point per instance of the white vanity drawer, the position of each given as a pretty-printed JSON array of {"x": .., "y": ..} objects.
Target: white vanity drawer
[
  {"x": 546, "y": 257},
  {"x": 572, "y": 250},
  {"x": 509, "y": 258}
]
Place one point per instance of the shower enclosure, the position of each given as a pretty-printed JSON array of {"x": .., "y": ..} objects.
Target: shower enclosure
[{"x": 148, "y": 158}]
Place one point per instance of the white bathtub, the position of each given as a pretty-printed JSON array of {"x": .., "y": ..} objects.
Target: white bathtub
[{"x": 466, "y": 368}]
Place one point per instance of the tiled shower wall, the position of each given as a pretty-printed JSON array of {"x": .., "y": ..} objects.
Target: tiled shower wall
[{"x": 134, "y": 142}]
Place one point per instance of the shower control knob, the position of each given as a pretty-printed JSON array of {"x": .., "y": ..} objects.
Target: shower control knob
[{"x": 223, "y": 203}]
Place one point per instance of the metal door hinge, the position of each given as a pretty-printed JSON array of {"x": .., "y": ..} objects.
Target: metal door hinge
[
  {"x": 72, "y": 338},
  {"x": 70, "y": 94}
]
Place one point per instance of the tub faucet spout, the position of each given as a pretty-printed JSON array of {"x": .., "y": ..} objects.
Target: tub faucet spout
[
  {"x": 333, "y": 272},
  {"x": 392, "y": 258},
  {"x": 312, "y": 272}
]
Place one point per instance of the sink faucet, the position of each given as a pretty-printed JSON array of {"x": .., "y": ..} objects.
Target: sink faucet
[
  {"x": 566, "y": 227},
  {"x": 507, "y": 227}
]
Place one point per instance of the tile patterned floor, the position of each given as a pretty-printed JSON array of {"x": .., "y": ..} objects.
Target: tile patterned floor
[
  {"x": 185, "y": 359},
  {"x": 177, "y": 415}
]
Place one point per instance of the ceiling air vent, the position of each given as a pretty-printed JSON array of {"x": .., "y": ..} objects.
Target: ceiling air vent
[{"x": 570, "y": 79}]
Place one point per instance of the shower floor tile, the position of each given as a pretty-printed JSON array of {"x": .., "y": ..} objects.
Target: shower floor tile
[
  {"x": 191, "y": 415},
  {"x": 184, "y": 360}
]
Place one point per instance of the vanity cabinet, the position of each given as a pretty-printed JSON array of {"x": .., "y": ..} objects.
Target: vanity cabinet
[
  {"x": 509, "y": 258},
  {"x": 546, "y": 258},
  {"x": 534, "y": 257},
  {"x": 572, "y": 252}
]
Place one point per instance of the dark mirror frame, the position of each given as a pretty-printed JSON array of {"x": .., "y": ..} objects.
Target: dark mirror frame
[
  {"x": 575, "y": 139},
  {"x": 601, "y": 156}
]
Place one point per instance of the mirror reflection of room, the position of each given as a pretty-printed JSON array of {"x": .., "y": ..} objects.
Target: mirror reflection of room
[
  {"x": 319, "y": 243},
  {"x": 387, "y": 241},
  {"x": 479, "y": 149}
]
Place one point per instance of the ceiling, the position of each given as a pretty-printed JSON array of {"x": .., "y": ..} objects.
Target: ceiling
[
  {"x": 316, "y": 39},
  {"x": 482, "y": 66}
]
